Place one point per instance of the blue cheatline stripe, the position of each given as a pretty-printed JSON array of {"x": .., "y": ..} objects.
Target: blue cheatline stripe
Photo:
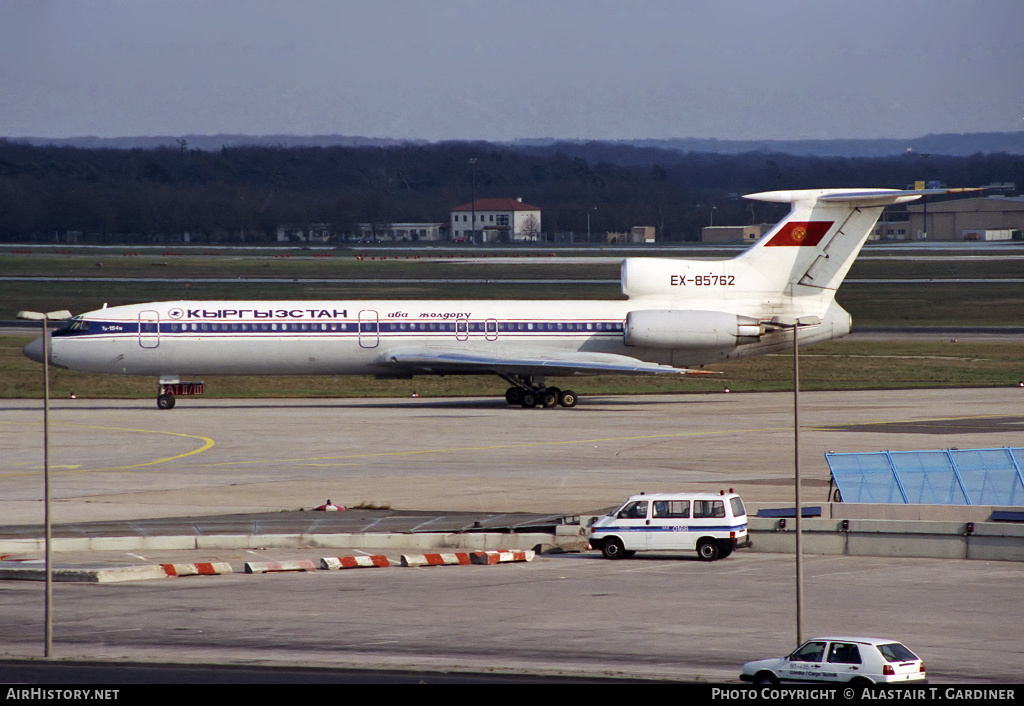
[
  {"x": 567, "y": 329},
  {"x": 671, "y": 528}
]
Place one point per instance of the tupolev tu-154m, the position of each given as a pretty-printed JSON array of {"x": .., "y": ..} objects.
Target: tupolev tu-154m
[{"x": 678, "y": 314}]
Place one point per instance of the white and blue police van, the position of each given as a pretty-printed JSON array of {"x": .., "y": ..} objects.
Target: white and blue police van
[{"x": 713, "y": 524}]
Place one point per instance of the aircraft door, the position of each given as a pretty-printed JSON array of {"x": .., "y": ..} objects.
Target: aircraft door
[
  {"x": 461, "y": 329},
  {"x": 491, "y": 329},
  {"x": 369, "y": 329},
  {"x": 149, "y": 329}
]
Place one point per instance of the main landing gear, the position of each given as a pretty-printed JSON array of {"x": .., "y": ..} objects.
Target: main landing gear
[{"x": 529, "y": 392}]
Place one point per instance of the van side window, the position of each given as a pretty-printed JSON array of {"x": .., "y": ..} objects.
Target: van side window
[
  {"x": 737, "y": 507},
  {"x": 636, "y": 510},
  {"x": 708, "y": 508},
  {"x": 672, "y": 508}
]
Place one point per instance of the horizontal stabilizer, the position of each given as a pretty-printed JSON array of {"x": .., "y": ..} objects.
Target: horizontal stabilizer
[{"x": 854, "y": 197}]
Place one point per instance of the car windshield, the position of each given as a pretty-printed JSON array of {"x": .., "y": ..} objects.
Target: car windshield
[{"x": 895, "y": 652}]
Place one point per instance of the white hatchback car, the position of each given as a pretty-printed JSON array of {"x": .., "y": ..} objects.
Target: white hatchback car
[{"x": 867, "y": 660}]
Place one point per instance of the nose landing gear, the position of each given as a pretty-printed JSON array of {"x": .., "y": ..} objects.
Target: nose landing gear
[{"x": 169, "y": 388}]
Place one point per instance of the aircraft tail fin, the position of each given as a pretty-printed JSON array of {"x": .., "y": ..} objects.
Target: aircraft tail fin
[{"x": 814, "y": 246}]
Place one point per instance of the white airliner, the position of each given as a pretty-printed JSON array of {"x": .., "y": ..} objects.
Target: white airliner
[{"x": 678, "y": 314}]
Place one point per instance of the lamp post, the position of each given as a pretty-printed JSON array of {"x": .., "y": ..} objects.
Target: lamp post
[
  {"x": 796, "y": 323},
  {"x": 45, "y": 319},
  {"x": 592, "y": 209}
]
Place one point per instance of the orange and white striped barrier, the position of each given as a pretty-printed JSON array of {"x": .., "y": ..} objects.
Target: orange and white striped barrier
[
  {"x": 332, "y": 563},
  {"x": 207, "y": 568},
  {"x": 454, "y": 558},
  {"x": 502, "y": 556}
]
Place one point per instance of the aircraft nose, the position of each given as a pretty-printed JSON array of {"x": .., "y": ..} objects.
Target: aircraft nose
[{"x": 34, "y": 350}]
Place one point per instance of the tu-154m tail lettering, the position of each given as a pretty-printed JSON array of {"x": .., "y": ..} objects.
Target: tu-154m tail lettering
[{"x": 678, "y": 314}]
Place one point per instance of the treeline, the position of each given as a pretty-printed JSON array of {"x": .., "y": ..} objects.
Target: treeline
[{"x": 243, "y": 194}]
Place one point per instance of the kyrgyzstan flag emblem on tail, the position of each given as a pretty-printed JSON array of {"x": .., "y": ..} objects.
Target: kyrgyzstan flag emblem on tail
[{"x": 798, "y": 233}]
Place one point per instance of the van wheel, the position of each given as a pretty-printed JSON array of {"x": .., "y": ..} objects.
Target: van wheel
[
  {"x": 613, "y": 548},
  {"x": 765, "y": 678},
  {"x": 708, "y": 550}
]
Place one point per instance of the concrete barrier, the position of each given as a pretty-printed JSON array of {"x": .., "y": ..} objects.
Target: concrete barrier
[
  {"x": 83, "y": 574},
  {"x": 267, "y": 567},
  {"x": 443, "y": 559},
  {"x": 206, "y": 568},
  {"x": 988, "y": 541},
  {"x": 501, "y": 557},
  {"x": 354, "y": 562}
]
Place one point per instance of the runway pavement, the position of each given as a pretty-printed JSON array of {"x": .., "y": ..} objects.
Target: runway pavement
[
  {"x": 658, "y": 616},
  {"x": 125, "y": 459}
]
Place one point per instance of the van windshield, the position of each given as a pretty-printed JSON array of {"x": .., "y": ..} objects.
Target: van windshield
[{"x": 634, "y": 510}]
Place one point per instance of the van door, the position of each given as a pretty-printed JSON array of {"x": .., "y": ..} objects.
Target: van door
[
  {"x": 670, "y": 525},
  {"x": 632, "y": 524}
]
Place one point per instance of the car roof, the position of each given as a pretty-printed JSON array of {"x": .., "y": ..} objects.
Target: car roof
[
  {"x": 681, "y": 496},
  {"x": 847, "y": 638}
]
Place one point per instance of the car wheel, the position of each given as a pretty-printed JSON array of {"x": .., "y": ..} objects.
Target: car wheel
[
  {"x": 765, "y": 678},
  {"x": 708, "y": 550},
  {"x": 613, "y": 548}
]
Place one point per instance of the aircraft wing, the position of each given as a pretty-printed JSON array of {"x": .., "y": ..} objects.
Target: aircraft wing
[{"x": 551, "y": 363}]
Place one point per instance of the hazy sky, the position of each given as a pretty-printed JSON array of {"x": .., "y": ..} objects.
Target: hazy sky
[{"x": 506, "y": 69}]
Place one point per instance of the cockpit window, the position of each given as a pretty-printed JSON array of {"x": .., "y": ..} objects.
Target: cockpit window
[{"x": 72, "y": 326}]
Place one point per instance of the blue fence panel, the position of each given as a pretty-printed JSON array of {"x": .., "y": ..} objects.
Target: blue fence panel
[
  {"x": 986, "y": 474},
  {"x": 953, "y": 477},
  {"x": 928, "y": 478},
  {"x": 1017, "y": 495},
  {"x": 865, "y": 478}
]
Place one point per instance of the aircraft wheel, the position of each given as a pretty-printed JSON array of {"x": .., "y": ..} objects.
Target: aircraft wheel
[
  {"x": 549, "y": 398},
  {"x": 165, "y": 402},
  {"x": 529, "y": 400},
  {"x": 567, "y": 398},
  {"x": 514, "y": 395}
]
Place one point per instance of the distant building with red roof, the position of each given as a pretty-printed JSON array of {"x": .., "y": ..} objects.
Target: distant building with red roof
[{"x": 497, "y": 220}]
